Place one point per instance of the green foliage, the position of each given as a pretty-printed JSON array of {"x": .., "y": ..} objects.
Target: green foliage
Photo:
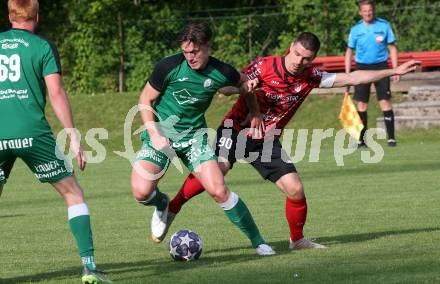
[
  {"x": 329, "y": 20},
  {"x": 93, "y": 52}
]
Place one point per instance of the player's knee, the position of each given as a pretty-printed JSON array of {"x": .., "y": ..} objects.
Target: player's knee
[
  {"x": 295, "y": 191},
  {"x": 362, "y": 106},
  {"x": 385, "y": 105},
  {"x": 69, "y": 185},
  {"x": 140, "y": 190},
  {"x": 220, "y": 193}
]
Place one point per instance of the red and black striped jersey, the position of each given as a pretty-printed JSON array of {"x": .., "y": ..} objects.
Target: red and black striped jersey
[{"x": 281, "y": 93}]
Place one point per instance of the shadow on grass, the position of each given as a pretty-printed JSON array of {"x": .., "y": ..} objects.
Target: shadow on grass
[
  {"x": 354, "y": 238},
  {"x": 282, "y": 247},
  {"x": 11, "y": 215},
  {"x": 160, "y": 267},
  {"x": 371, "y": 169},
  {"x": 208, "y": 258}
]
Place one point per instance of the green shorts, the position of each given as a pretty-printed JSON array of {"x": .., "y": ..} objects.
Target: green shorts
[
  {"x": 192, "y": 152},
  {"x": 40, "y": 154}
]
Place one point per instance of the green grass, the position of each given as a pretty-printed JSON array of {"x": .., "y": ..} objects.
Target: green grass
[{"x": 380, "y": 221}]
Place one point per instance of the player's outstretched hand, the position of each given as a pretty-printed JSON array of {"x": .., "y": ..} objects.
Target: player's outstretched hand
[{"x": 406, "y": 67}]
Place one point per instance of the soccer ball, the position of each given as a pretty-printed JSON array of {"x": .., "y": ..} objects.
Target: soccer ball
[{"x": 185, "y": 245}]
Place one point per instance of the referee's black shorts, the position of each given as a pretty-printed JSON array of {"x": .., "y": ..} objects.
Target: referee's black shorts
[
  {"x": 383, "y": 92},
  {"x": 268, "y": 158}
]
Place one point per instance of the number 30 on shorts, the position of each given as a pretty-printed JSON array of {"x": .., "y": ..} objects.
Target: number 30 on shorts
[{"x": 225, "y": 142}]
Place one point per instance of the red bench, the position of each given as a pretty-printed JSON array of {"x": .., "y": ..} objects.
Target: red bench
[{"x": 429, "y": 59}]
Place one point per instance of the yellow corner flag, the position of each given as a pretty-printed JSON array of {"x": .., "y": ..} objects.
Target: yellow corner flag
[{"x": 349, "y": 118}]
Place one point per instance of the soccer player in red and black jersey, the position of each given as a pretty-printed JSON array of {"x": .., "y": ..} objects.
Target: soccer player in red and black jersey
[{"x": 283, "y": 84}]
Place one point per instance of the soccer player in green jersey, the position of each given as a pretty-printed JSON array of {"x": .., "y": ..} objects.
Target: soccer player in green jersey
[
  {"x": 28, "y": 65},
  {"x": 172, "y": 107}
]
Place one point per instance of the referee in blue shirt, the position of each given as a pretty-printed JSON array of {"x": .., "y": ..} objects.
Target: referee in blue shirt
[{"x": 372, "y": 38}]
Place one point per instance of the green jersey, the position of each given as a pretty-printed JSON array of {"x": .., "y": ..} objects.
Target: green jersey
[
  {"x": 25, "y": 59},
  {"x": 185, "y": 93}
]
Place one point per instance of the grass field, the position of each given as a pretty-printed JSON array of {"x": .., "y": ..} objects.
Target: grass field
[{"x": 380, "y": 221}]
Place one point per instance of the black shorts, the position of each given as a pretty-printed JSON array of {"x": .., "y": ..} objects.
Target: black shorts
[
  {"x": 267, "y": 157},
  {"x": 383, "y": 92}
]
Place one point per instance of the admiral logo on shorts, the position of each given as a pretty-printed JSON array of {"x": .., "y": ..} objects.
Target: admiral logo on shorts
[{"x": 49, "y": 170}]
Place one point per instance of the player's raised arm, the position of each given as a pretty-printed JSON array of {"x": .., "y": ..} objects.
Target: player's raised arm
[
  {"x": 61, "y": 106},
  {"x": 366, "y": 76}
]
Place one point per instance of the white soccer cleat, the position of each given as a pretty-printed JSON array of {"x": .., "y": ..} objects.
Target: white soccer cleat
[
  {"x": 170, "y": 219},
  {"x": 159, "y": 223},
  {"x": 305, "y": 243},
  {"x": 265, "y": 250}
]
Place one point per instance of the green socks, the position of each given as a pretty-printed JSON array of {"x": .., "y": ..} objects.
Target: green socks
[
  {"x": 157, "y": 199},
  {"x": 239, "y": 214},
  {"x": 79, "y": 222}
]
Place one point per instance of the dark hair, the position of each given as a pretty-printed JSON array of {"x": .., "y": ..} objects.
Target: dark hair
[
  {"x": 310, "y": 41},
  {"x": 366, "y": 2},
  {"x": 198, "y": 33}
]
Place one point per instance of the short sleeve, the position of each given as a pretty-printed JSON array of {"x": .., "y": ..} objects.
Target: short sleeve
[
  {"x": 351, "y": 40},
  {"x": 157, "y": 78},
  {"x": 51, "y": 60},
  {"x": 231, "y": 74},
  {"x": 390, "y": 35}
]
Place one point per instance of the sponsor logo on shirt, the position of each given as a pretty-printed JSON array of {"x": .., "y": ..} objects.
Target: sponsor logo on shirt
[
  {"x": 14, "y": 40},
  {"x": 10, "y": 94},
  {"x": 208, "y": 83},
  {"x": 183, "y": 79},
  {"x": 254, "y": 74},
  {"x": 379, "y": 38},
  {"x": 9, "y": 46},
  {"x": 184, "y": 97}
]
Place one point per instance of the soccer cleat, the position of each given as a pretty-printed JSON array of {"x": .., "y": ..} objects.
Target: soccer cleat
[
  {"x": 265, "y": 250},
  {"x": 392, "y": 143},
  {"x": 159, "y": 222},
  {"x": 305, "y": 243},
  {"x": 159, "y": 237},
  {"x": 94, "y": 277},
  {"x": 360, "y": 144}
]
